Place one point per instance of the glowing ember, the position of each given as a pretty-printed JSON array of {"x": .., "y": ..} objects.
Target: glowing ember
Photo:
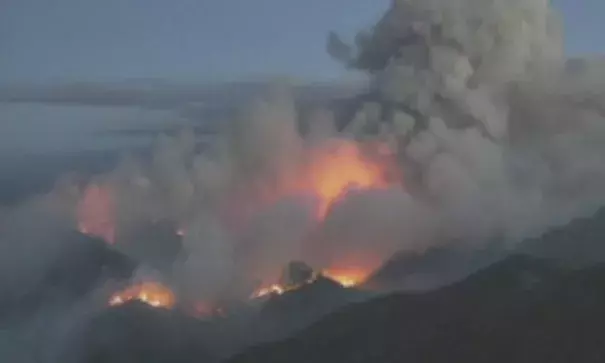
[
  {"x": 96, "y": 213},
  {"x": 274, "y": 289},
  {"x": 279, "y": 289},
  {"x": 333, "y": 174},
  {"x": 347, "y": 277},
  {"x": 151, "y": 293}
]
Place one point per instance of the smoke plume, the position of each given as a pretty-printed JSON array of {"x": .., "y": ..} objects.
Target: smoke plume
[
  {"x": 496, "y": 137},
  {"x": 488, "y": 130},
  {"x": 479, "y": 127}
]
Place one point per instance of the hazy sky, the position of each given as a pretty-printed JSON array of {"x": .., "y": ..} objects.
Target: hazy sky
[{"x": 73, "y": 40}]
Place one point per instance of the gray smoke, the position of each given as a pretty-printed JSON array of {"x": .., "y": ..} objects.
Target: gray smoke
[
  {"x": 35, "y": 238},
  {"x": 497, "y": 135},
  {"x": 502, "y": 133}
]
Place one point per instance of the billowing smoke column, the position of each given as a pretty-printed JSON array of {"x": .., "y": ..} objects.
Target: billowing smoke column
[
  {"x": 476, "y": 129},
  {"x": 262, "y": 196},
  {"x": 495, "y": 129}
]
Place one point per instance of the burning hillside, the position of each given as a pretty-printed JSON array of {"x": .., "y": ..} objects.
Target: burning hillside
[
  {"x": 296, "y": 275},
  {"x": 439, "y": 113},
  {"x": 327, "y": 173},
  {"x": 347, "y": 277},
  {"x": 152, "y": 293},
  {"x": 474, "y": 130}
]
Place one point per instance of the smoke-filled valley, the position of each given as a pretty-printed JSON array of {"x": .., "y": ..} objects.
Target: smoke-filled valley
[{"x": 475, "y": 138}]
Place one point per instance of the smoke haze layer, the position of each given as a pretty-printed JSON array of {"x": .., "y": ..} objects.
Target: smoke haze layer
[{"x": 476, "y": 128}]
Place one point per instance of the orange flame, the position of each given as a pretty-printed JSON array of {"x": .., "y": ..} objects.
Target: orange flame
[
  {"x": 279, "y": 289},
  {"x": 332, "y": 174},
  {"x": 347, "y": 277},
  {"x": 96, "y": 213},
  {"x": 275, "y": 289},
  {"x": 151, "y": 293}
]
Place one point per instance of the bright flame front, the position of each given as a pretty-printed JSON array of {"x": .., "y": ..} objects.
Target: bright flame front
[
  {"x": 151, "y": 293},
  {"x": 347, "y": 277},
  {"x": 274, "y": 289},
  {"x": 329, "y": 172}
]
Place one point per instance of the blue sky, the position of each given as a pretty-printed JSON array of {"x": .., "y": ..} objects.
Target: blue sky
[
  {"x": 584, "y": 26},
  {"x": 74, "y": 40}
]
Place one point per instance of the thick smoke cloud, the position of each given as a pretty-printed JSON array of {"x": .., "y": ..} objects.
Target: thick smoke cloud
[
  {"x": 500, "y": 123},
  {"x": 497, "y": 135}
]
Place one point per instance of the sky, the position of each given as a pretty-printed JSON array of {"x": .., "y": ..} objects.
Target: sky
[{"x": 47, "y": 41}]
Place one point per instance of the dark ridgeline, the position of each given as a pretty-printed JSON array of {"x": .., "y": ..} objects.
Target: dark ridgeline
[
  {"x": 522, "y": 309},
  {"x": 577, "y": 244},
  {"x": 136, "y": 332},
  {"x": 545, "y": 304},
  {"x": 84, "y": 264}
]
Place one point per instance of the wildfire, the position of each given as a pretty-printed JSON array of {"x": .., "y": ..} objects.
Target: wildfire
[
  {"x": 275, "y": 289},
  {"x": 279, "y": 289},
  {"x": 347, "y": 277},
  {"x": 96, "y": 213},
  {"x": 329, "y": 173},
  {"x": 332, "y": 174},
  {"x": 151, "y": 293}
]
